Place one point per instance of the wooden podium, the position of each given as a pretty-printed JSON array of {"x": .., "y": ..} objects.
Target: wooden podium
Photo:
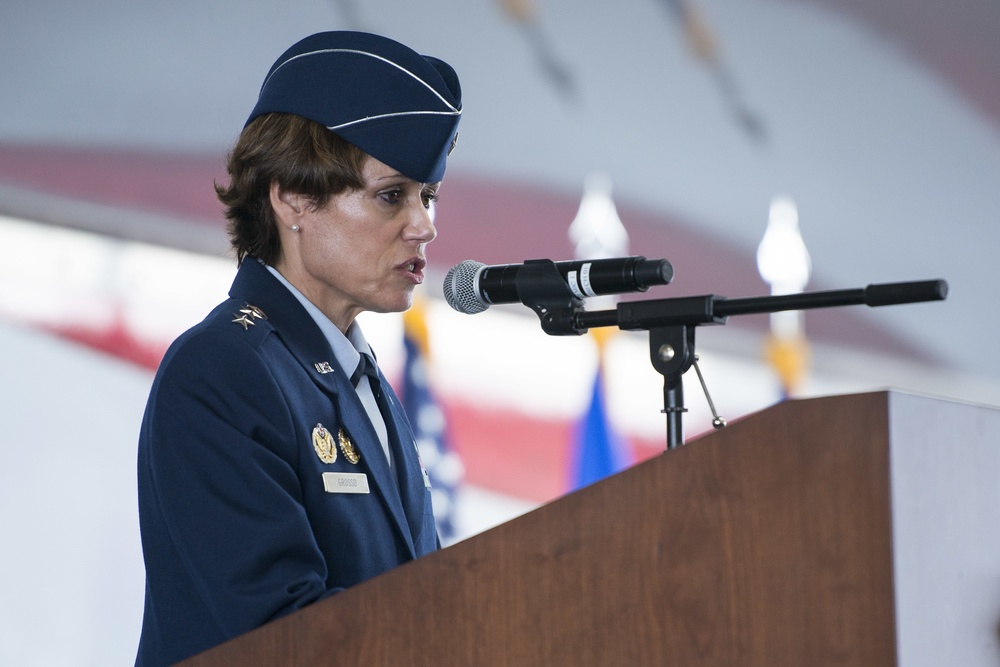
[{"x": 853, "y": 530}]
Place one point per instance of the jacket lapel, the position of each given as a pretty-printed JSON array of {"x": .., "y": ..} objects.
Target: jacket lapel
[
  {"x": 255, "y": 285},
  {"x": 409, "y": 469},
  {"x": 355, "y": 421}
]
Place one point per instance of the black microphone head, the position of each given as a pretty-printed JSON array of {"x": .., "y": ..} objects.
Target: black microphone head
[{"x": 460, "y": 288}]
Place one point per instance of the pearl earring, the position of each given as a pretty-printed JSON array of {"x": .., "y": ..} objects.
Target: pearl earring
[{"x": 295, "y": 228}]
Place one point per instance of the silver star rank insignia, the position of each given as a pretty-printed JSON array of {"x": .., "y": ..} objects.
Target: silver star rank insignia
[{"x": 246, "y": 315}]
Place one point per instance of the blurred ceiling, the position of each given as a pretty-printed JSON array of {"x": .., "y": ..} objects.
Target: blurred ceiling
[{"x": 881, "y": 119}]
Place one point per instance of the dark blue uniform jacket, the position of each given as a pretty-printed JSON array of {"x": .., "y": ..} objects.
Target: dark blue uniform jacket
[{"x": 237, "y": 527}]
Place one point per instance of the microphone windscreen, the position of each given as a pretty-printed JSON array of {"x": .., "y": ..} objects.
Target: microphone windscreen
[{"x": 460, "y": 288}]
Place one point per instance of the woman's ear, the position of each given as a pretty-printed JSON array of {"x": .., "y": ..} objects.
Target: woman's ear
[{"x": 288, "y": 206}]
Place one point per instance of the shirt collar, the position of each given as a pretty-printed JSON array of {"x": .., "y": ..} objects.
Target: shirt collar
[{"x": 346, "y": 349}]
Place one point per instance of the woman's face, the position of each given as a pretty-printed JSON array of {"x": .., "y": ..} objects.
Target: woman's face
[{"x": 364, "y": 250}]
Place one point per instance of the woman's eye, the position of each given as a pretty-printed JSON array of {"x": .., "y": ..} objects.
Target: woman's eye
[
  {"x": 429, "y": 198},
  {"x": 392, "y": 196}
]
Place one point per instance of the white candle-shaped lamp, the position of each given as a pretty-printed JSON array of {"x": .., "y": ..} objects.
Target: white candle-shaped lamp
[
  {"x": 783, "y": 263},
  {"x": 597, "y": 232}
]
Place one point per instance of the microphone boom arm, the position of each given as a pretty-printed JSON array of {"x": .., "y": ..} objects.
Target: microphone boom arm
[
  {"x": 712, "y": 309},
  {"x": 671, "y": 323}
]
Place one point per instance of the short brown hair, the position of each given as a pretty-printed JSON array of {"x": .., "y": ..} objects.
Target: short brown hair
[{"x": 302, "y": 156}]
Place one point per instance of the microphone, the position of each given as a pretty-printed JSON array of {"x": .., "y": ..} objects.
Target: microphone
[{"x": 471, "y": 287}]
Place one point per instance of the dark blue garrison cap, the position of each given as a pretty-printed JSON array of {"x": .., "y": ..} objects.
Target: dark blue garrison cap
[{"x": 391, "y": 102}]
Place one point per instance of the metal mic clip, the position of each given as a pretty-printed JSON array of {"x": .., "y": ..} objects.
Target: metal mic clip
[{"x": 540, "y": 287}]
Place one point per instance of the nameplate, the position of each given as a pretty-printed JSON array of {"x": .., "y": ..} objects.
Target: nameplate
[{"x": 345, "y": 482}]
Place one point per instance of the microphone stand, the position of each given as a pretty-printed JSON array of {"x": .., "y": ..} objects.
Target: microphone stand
[{"x": 671, "y": 323}]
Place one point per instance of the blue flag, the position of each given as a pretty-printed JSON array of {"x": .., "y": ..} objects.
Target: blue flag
[
  {"x": 597, "y": 450},
  {"x": 429, "y": 429}
]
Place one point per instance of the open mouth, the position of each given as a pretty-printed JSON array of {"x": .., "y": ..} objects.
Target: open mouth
[{"x": 414, "y": 268}]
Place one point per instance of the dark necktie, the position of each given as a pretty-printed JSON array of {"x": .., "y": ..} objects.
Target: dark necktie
[{"x": 367, "y": 367}]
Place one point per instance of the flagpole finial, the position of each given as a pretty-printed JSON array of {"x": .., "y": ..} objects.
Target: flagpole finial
[
  {"x": 597, "y": 232},
  {"x": 782, "y": 257}
]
